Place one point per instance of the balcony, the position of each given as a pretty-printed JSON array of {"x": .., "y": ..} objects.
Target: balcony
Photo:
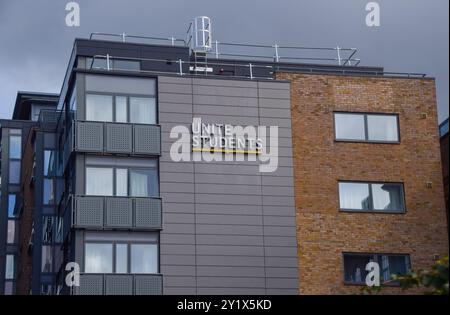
[
  {"x": 119, "y": 284},
  {"x": 113, "y": 138},
  {"x": 105, "y": 212}
]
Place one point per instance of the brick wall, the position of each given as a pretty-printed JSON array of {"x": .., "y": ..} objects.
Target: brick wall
[
  {"x": 323, "y": 232},
  {"x": 24, "y": 265}
]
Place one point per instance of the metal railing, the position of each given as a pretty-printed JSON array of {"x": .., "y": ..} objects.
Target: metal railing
[
  {"x": 140, "y": 39},
  {"x": 248, "y": 70}
]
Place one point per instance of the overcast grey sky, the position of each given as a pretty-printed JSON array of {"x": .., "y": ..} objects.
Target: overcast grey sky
[{"x": 35, "y": 43}]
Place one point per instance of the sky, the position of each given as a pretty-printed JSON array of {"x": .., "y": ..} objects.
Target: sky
[{"x": 413, "y": 36}]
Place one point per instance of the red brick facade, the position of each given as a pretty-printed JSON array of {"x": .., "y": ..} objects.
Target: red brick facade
[{"x": 324, "y": 232}]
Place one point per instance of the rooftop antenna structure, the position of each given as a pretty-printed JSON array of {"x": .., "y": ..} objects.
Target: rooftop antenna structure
[{"x": 199, "y": 39}]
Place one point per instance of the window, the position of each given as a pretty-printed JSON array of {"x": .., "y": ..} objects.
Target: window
[
  {"x": 49, "y": 192},
  {"x": 11, "y": 205},
  {"x": 14, "y": 172},
  {"x": 143, "y": 183},
  {"x": 99, "y": 107},
  {"x": 120, "y": 108},
  {"x": 128, "y": 182},
  {"x": 366, "y": 127},
  {"x": 144, "y": 258},
  {"x": 121, "y": 258},
  {"x": 349, "y": 126},
  {"x": 98, "y": 258},
  {"x": 129, "y": 257},
  {"x": 142, "y": 110},
  {"x": 49, "y": 163},
  {"x": 114, "y": 63},
  {"x": 355, "y": 266},
  {"x": 99, "y": 181},
  {"x": 15, "y": 147},
  {"x": 12, "y": 235},
  {"x": 47, "y": 259},
  {"x": 121, "y": 182},
  {"x": 10, "y": 270},
  {"x": 47, "y": 230},
  {"x": 386, "y": 197}
]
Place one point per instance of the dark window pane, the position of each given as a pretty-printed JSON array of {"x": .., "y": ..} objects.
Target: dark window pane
[
  {"x": 355, "y": 267},
  {"x": 14, "y": 172},
  {"x": 354, "y": 196},
  {"x": 382, "y": 127},
  {"x": 143, "y": 183},
  {"x": 96, "y": 63},
  {"x": 49, "y": 163},
  {"x": 349, "y": 126},
  {"x": 388, "y": 196},
  {"x": 47, "y": 230},
  {"x": 393, "y": 265},
  {"x": 121, "y": 64},
  {"x": 15, "y": 147}
]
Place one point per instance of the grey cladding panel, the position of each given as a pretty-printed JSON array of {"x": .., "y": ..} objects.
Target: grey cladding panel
[
  {"x": 147, "y": 139},
  {"x": 119, "y": 138},
  {"x": 89, "y": 211},
  {"x": 119, "y": 285},
  {"x": 119, "y": 212},
  {"x": 148, "y": 284},
  {"x": 148, "y": 213},
  {"x": 89, "y": 136}
]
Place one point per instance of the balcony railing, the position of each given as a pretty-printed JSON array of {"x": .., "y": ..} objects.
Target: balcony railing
[
  {"x": 119, "y": 284},
  {"x": 105, "y": 212},
  {"x": 114, "y": 138}
]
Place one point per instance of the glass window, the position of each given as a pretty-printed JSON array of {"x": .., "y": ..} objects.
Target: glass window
[
  {"x": 11, "y": 205},
  {"x": 121, "y": 258},
  {"x": 382, "y": 127},
  {"x": 142, "y": 110},
  {"x": 99, "y": 181},
  {"x": 121, "y": 108},
  {"x": 97, "y": 63},
  {"x": 99, "y": 107},
  {"x": 143, "y": 183},
  {"x": 14, "y": 172},
  {"x": 388, "y": 196},
  {"x": 349, "y": 126},
  {"x": 122, "y": 64},
  {"x": 49, "y": 162},
  {"x": 371, "y": 196},
  {"x": 98, "y": 258},
  {"x": 49, "y": 192},
  {"x": 47, "y": 230},
  {"x": 12, "y": 232},
  {"x": 10, "y": 270},
  {"x": 15, "y": 147},
  {"x": 47, "y": 259},
  {"x": 9, "y": 288},
  {"x": 144, "y": 258},
  {"x": 121, "y": 182},
  {"x": 355, "y": 266},
  {"x": 354, "y": 196}
]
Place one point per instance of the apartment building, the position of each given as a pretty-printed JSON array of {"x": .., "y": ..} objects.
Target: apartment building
[{"x": 88, "y": 177}]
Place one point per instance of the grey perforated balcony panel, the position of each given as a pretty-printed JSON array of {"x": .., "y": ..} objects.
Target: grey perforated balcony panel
[
  {"x": 119, "y": 284},
  {"x": 148, "y": 213},
  {"x": 89, "y": 136},
  {"x": 119, "y": 212},
  {"x": 89, "y": 211},
  {"x": 147, "y": 139},
  {"x": 90, "y": 285},
  {"x": 119, "y": 138},
  {"x": 148, "y": 285}
]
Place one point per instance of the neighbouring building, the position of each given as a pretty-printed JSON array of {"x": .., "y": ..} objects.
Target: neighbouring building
[{"x": 87, "y": 176}]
